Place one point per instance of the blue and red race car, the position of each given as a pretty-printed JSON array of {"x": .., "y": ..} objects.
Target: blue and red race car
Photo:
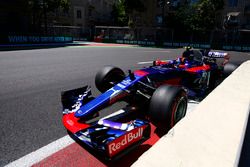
[{"x": 157, "y": 94}]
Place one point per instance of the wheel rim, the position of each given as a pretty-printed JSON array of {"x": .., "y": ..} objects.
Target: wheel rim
[{"x": 180, "y": 109}]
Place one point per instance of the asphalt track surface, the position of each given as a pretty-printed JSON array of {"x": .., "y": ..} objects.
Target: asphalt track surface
[{"x": 31, "y": 82}]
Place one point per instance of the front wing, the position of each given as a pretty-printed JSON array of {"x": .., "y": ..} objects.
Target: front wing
[{"x": 107, "y": 138}]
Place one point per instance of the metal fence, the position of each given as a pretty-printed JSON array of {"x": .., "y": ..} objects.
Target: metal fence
[
  {"x": 217, "y": 39},
  {"x": 77, "y": 32}
]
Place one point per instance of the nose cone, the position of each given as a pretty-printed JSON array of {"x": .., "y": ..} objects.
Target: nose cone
[{"x": 80, "y": 113}]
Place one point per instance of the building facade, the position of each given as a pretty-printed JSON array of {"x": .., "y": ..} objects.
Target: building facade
[
  {"x": 85, "y": 13},
  {"x": 239, "y": 11},
  {"x": 81, "y": 17}
]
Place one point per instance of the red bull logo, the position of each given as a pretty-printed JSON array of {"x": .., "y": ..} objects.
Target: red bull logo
[{"x": 122, "y": 142}]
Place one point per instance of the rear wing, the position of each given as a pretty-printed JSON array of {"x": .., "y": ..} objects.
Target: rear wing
[{"x": 217, "y": 54}]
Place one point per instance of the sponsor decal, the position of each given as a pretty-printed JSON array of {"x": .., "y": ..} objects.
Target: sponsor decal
[
  {"x": 217, "y": 54},
  {"x": 38, "y": 39},
  {"x": 84, "y": 136},
  {"x": 126, "y": 82},
  {"x": 79, "y": 112},
  {"x": 70, "y": 122},
  {"x": 176, "y": 44},
  {"x": 121, "y": 86},
  {"x": 124, "y": 141},
  {"x": 114, "y": 92},
  {"x": 206, "y": 46},
  {"x": 245, "y": 48},
  {"x": 184, "y": 44},
  {"x": 167, "y": 44}
]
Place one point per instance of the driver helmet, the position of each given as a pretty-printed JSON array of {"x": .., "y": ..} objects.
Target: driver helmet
[{"x": 187, "y": 54}]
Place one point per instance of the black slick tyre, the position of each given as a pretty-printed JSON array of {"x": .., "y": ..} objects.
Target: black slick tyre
[
  {"x": 228, "y": 69},
  {"x": 107, "y": 77},
  {"x": 167, "y": 106}
]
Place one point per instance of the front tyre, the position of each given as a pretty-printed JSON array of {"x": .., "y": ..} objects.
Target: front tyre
[
  {"x": 168, "y": 105},
  {"x": 107, "y": 77}
]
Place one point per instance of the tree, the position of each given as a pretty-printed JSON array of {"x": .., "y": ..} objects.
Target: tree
[
  {"x": 204, "y": 17},
  {"x": 40, "y": 8},
  {"x": 55, "y": 4},
  {"x": 50, "y": 5},
  {"x": 124, "y": 11},
  {"x": 119, "y": 14},
  {"x": 131, "y": 7},
  {"x": 218, "y": 4},
  {"x": 200, "y": 16},
  {"x": 134, "y": 5}
]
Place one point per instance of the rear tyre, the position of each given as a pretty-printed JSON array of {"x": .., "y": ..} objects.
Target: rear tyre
[
  {"x": 168, "y": 105},
  {"x": 107, "y": 77},
  {"x": 228, "y": 69}
]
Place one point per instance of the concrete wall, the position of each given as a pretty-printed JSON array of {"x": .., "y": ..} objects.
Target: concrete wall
[{"x": 212, "y": 135}]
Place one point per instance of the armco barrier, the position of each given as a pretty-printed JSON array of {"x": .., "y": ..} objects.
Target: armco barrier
[
  {"x": 212, "y": 135},
  {"x": 243, "y": 48}
]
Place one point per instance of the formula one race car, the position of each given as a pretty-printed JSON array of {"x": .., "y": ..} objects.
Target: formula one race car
[{"x": 160, "y": 93}]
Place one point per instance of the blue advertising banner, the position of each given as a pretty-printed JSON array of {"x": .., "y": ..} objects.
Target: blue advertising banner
[{"x": 13, "y": 39}]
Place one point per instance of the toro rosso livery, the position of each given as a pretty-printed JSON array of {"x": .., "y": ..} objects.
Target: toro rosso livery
[{"x": 157, "y": 94}]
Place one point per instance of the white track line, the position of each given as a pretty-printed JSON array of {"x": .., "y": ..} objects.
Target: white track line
[
  {"x": 145, "y": 62},
  {"x": 149, "y": 62},
  {"x": 42, "y": 153},
  {"x": 46, "y": 151},
  {"x": 155, "y": 51}
]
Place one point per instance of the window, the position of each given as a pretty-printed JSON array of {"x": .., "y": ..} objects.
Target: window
[
  {"x": 90, "y": 11},
  {"x": 232, "y": 3},
  {"x": 159, "y": 20},
  {"x": 79, "y": 14}
]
